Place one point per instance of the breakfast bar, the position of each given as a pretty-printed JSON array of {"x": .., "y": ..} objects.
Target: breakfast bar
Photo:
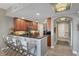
[{"x": 41, "y": 43}]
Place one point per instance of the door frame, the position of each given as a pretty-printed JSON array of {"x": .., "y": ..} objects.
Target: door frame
[{"x": 55, "y": 35}]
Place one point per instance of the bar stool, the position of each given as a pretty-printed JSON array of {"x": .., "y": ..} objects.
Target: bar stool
[
  {"x": 16, "y": 44},
  {"x": 28, "y": 46},
  {"x": 13, "y": 42},
  {"x": 22, "y": 46},
  {"x": 7, "y": 42},
  {"x": 10, "y": 42}
]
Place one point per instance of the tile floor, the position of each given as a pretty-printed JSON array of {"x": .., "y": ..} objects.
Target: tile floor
[
  {"x": 58, "y": 50},
  {"x": 61, "y": 49}
]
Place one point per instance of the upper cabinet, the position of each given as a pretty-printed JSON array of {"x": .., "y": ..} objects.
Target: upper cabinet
[
  {"x": 34, "y": 26},
  {"x": 25, "y": 25}
]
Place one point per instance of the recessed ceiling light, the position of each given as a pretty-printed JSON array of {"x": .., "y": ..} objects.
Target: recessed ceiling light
[{"x": 37, "y": 14}]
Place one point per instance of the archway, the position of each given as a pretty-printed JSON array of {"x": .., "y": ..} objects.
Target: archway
[{"x": 63, "y": 30}]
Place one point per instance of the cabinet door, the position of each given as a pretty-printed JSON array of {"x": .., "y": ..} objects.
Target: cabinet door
[
  {"x": 49, "y": 41},
  {"x": 17, "y": 24},
  {"x": 22, "y": 25},
  {"x": 34, "y": 26}
]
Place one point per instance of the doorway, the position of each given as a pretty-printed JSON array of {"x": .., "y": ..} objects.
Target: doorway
[{"x": 62, "y": 31}]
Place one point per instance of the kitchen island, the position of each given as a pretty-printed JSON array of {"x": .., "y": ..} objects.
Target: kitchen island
[{"x": 41, "y": 43}]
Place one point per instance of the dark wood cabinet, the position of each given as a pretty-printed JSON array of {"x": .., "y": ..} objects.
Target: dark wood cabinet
[
  {"x": 49, "y": 31},
  {"x": 21, "y": 25},
  {"x": 49, "y": 41},
  {"x": 34, "y": 26},
  {"x": 25, "y": 25}
]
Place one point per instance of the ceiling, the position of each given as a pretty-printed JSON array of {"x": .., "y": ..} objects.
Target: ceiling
[
  {"x": 29, "y": 10},
  {"x": 5, "y": 5}
]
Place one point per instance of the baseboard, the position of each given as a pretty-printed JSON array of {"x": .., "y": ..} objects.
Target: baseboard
[
  {"x": 75, "y": 52},
  {"x": 52, "y": 46}
]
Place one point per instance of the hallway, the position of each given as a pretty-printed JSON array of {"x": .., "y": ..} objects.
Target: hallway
[{"x": 60, "y": 50}]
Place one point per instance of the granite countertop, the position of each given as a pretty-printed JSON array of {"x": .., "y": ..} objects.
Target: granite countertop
[{"x": 36, "y": 37}]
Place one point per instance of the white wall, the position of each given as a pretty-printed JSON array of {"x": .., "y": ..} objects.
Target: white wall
[
  {"x": 75, "y": 36},
  {"x": 61, "y": 29},
  {"x": 40, "y": 29},
  {"x": 78, "y": 41},
  {"x": 5, "y": 24},
  {"x": 2, "y": 14},
  {"x": 74, "y": 33}
]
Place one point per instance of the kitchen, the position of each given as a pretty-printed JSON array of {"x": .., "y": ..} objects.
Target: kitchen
[{"x": 31, "y": 31}]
